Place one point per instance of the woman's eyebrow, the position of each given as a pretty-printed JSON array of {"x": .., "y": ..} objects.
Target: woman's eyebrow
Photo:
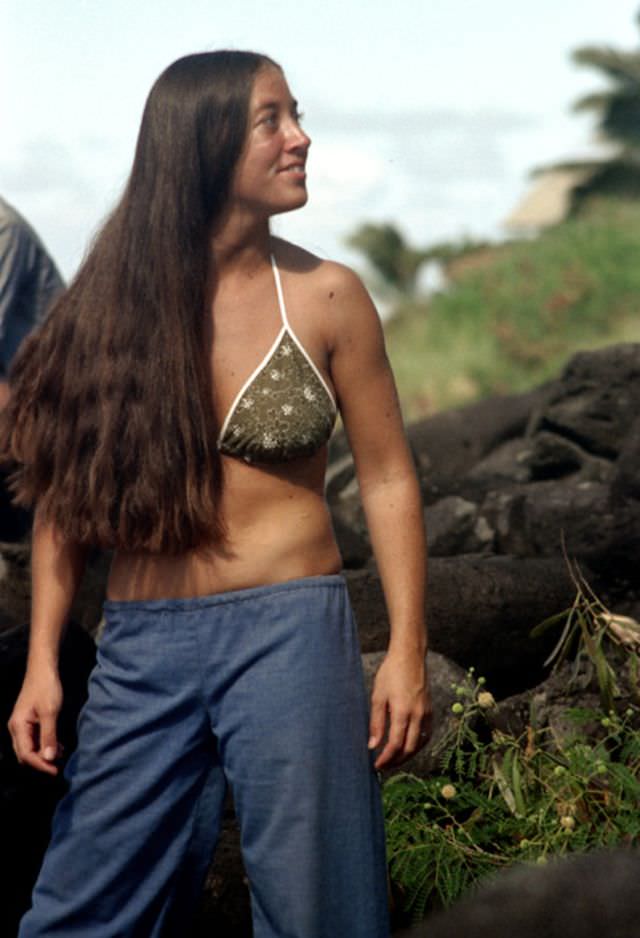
[{"x": 275, "y": 104}]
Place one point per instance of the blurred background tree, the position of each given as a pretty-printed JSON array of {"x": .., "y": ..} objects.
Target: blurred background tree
[
  {"x": 617, "y": 110},
  {"x": 396, "y": 264},
  {"x": 393, "y": 260}
]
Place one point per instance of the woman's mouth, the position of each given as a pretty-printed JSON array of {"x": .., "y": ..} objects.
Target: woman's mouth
[{"x": 294, "y": 169}]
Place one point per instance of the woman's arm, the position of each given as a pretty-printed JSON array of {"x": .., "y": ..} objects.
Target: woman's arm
[
  {"x": 56, "y": 570},
  {"x": 393, "y": 509}
]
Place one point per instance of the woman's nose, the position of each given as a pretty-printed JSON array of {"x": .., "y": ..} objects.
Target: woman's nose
[{"x": 298, "y": 139}]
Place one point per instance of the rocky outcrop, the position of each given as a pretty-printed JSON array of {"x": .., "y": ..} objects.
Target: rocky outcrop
[
  {"x": 593, "y": 895},
  {"x": 480, "y": 610},
  {"x": 512, "y": 486}
]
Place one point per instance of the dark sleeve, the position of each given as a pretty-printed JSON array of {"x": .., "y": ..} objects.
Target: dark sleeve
[{"x": 13, "y": 258}]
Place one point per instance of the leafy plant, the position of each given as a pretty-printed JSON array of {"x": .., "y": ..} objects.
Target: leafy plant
[
  {"x": 503, "y": 798},
  {"x": 592, "y": 630}
]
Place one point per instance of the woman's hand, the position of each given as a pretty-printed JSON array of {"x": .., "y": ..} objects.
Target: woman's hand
[
  {"x": 34, "y": 718},
  {"x": 401, "y": 701},
  {"x": 56, "y": 571}
]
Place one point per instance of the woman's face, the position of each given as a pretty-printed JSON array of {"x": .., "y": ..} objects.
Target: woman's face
[{"x": 270, "y": 176}]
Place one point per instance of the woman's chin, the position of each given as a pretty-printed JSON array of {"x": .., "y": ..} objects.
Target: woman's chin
[{"x": 297, "y": 200}]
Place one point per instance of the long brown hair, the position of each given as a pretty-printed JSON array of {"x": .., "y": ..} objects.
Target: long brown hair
[{"x": 110, "y": 428}]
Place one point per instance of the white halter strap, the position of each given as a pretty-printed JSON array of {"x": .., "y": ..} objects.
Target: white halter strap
[{"x": 283, "y": 308}]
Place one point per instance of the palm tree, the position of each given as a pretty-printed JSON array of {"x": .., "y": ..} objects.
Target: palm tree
[{"x": 618, "y": 122}]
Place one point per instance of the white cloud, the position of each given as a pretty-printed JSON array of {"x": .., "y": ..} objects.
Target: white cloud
[{"x": 63, "y": 189}]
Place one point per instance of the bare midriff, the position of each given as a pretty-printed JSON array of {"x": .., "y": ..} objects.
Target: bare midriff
[{"x": 278, "y": 529}]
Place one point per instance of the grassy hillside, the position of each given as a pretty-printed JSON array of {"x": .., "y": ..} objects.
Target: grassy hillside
[{"x": 512, "y": 319}]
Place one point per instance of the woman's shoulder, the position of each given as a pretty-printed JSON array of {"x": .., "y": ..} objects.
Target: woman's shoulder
[
  {"x": 333, "y": 291},
  {"x": 328, "y": 277}
]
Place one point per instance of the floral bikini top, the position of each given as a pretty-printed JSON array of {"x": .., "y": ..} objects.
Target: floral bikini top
[{"x": 285, "y": 409}]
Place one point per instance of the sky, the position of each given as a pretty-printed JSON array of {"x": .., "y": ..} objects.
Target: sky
[{"x": 426, "y": 113}]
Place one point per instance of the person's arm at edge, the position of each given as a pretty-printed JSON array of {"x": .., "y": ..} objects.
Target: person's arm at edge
[
  {"x": 12, "y": 262},
  {"x": 56, "y": 569},
  {"x": 393, "y": 508}
]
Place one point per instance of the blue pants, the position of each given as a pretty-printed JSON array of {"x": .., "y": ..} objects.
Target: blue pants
[{"x": 261, "y": 688}]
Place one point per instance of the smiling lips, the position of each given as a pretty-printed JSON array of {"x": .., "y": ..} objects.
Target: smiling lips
[{"x": 296, "y": 169}]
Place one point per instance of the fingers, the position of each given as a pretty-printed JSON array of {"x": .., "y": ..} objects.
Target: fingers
[
  {"x": 377, "y": 722},
  {"x": 48, "y": 737},
  {"x": 33, "y": 744},
  {"x": 415, "y": 739},
  {"x": 408, "y": 733},
  {"x": 395, "y": 745}
]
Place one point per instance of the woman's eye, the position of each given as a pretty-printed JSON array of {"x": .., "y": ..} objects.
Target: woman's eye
[{"x": 298, "y": 116}]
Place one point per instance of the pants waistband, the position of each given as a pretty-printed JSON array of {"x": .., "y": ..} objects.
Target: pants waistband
[{"x": 193, "y": 603}]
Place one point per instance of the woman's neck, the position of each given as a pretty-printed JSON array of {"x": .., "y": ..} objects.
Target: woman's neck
[{"x": 240, "y": 243}]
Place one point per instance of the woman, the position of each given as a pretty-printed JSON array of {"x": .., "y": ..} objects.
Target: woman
[{"x": 176, "y": 407}]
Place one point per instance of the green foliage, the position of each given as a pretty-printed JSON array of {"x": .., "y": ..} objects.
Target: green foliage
[
  {"x": 618, "y": 107},
  {"x": 394, "y": 261},
  {"x": 503, "y": 798},
  {"x": 511, "y": 320}
]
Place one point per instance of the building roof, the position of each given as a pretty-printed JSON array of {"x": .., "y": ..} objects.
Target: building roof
[{"x": 548, "y": 201}]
